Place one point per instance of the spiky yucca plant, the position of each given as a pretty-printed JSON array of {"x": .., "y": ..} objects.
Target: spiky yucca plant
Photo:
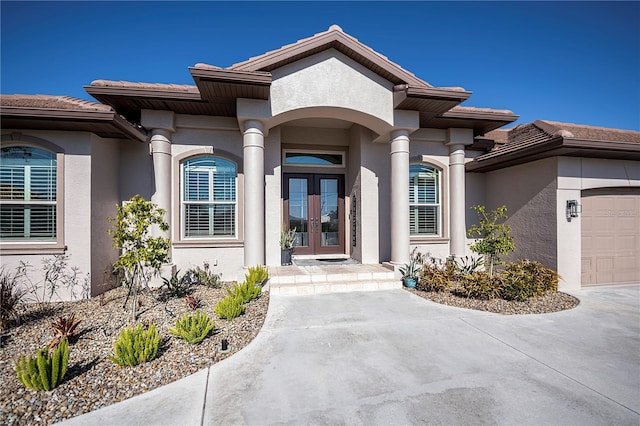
[
  {"x": 229, "y": 308},
  {"x": 64, "y": 327},
  {"x": 136, "y": 345},
  {"x": 45, "y": 371},
  {"x": 193, "y": 328}
]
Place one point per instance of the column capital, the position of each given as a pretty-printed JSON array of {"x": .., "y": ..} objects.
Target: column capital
[
  {"x": 158, "y": 120},
  {"x": 457, "y": 136}
]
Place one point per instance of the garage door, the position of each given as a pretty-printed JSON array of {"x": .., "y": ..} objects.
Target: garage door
[{"x": 610, "y": 236}]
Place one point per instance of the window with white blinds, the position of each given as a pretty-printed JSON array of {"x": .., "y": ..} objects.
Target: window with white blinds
[
  {"x": 28, "y": 194},
  {"x": 424, "y": 200},
  {"x": 209, "y": 197}
]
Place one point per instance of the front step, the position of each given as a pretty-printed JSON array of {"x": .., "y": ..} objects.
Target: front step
[{"x": 300, "y": 280}]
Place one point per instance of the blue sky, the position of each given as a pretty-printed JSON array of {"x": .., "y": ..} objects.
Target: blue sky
[{"x": 575, "y": 62}]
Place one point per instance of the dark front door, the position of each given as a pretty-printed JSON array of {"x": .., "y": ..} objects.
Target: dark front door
[{"x": 314, "y": 206}]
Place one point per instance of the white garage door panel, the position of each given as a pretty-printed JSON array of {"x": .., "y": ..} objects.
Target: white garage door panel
[{"x": 610, "y": 236}]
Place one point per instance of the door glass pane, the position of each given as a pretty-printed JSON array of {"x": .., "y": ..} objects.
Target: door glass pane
[
  {"x": 329, "y": 212},
  {"x": 298, "y": 210}
]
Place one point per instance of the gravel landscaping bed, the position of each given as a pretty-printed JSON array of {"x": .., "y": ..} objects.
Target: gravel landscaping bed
[
  {"x": 93, "y": 380},
  {"x": 550, "y": 302}
]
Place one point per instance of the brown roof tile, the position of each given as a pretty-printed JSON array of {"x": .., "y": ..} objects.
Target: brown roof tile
[
  {"x": 186, "y": 88},
  {"x": 51, "y": 102},
  {"x": 581, "y": 131}
]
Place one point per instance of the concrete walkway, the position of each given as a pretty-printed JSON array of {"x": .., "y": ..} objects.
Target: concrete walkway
[{"x": 392, "y": 358}]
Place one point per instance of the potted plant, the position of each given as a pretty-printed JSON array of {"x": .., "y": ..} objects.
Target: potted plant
[
  {"x": 287, "y": 238},
  {"x": 411, "y": 270},
  {"x": 410, "y": 273}
]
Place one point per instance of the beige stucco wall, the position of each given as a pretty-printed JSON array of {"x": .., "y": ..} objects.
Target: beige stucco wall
[
  {"x": 529, "y": 192},
  {"x": 331, "y": 80},
  {"x": 77, "y": 208},
  {"x": 574, "y": 176},
  {"x": 104, "y": 198},
  {"x": 193, "y": 135}
]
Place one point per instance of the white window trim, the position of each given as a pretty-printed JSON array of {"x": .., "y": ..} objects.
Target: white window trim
[
  {"x": 27, "y": 247},
  {"x": 183, "y": 204},
  {"x": 442, "y": 236}
]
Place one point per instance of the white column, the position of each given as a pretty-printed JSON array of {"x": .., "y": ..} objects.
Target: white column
[
  {"x": 253, "y": 165},
  {"x": 399, "y": 208},
  {"x": 458, "y": 139},
  {"x": 161, "y": 155}
]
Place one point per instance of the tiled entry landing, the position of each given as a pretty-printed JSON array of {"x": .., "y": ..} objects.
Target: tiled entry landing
[{"x": 297, "y": 279}]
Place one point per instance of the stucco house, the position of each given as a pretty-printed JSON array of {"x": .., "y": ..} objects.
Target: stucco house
[{"x": 362, "y": 157}]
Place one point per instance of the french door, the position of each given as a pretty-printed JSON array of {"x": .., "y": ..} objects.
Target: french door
[{"x": 314, "y": 206}]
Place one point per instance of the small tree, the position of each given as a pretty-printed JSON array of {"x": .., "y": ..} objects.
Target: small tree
[
  {"x": 494, "y": 238},
  {"x": 141, "y": 253}
]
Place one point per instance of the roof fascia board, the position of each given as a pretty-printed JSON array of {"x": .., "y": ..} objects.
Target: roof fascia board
[
  {"x": 231, "y": 76},
  {"x": 548, "y": 149},
  {"x": 57, "y": 113},
  {"x": 514, "y": 157},
  {"x": 601, "y": 144},
  {"x": 437, "y": 93},
  {"x": 142, "y": 92},
  {"x": 481, "y": 115},
  {"x": 106, "y": 117}
]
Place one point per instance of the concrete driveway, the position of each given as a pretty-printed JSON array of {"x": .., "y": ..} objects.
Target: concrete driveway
[{"x": 392, "y": 358}]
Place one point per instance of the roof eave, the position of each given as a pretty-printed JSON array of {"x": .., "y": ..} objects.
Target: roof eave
[
  {"x": 557, "y": 146},
  {"x": 214, "y": 83},
  {"x": 27, "y": 116},
  {"x": 156, "y": 93}
]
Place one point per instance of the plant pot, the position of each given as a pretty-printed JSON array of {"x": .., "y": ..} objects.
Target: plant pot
[
  {"x": 285, "y": 256},
  {"x": 409, "y": 282}
]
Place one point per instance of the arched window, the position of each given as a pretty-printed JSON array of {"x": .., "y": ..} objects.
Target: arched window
[
  {"x": 425, "y": 200},
  {"x": 28, "y": 190},
  {"x": 209, "y": 207}
]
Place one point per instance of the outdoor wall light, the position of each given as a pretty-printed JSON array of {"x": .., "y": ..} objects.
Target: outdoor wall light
[{"x": 573, "y": 208}]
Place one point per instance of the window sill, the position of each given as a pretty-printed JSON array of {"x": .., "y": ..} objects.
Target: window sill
[
  {"x": 428, "y": 240},
  {"x": 205, "y": 243},
  {"x": 31, "y": 248}
]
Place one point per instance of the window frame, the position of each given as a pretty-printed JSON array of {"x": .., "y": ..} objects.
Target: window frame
[
  {"x": 443, "y": 223},
  {"x": 286, "y": 151},
  {"x": 33, "y": 246},
  {"x": 179, "y": 238}
]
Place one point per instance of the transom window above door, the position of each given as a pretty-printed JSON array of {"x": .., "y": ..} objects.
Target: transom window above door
[{"x": 313, "y": 158}]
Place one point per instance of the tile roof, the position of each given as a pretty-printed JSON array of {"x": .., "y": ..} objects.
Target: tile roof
[
  {"x": 51, "y": 102},
  {"x": 538, "y": 132},
  {"x": 182, "y": 88},
  {"x": 334, "y": 33}
]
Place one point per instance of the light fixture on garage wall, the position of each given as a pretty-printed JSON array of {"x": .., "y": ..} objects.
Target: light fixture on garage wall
[{"x": 573, "y": 209}]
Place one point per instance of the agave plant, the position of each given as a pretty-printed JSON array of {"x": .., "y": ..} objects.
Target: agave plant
[{"x": 63, "y": 327}]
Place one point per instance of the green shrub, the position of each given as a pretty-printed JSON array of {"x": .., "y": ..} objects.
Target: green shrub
[
  {"x": 257, "y": 274},
  {"x": 481, "y": 285},
  {"x": 230, "y": 307},
  {"x": 45, "y": 371},
  {"x": 432, "y": 278},
  {"x": 12, "y": 294},
  {"x": 245, "y": 292},
  {"x": 527, "y": 279},
  {"x": 136, "y": 345},
  {"x": 193, "y": 328}
]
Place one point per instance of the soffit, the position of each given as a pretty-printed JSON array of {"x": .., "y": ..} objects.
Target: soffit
[{"x": 40, "y": 112}]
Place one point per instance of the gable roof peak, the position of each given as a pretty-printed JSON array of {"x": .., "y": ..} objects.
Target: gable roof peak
[{"x": 333, "y": 38}]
